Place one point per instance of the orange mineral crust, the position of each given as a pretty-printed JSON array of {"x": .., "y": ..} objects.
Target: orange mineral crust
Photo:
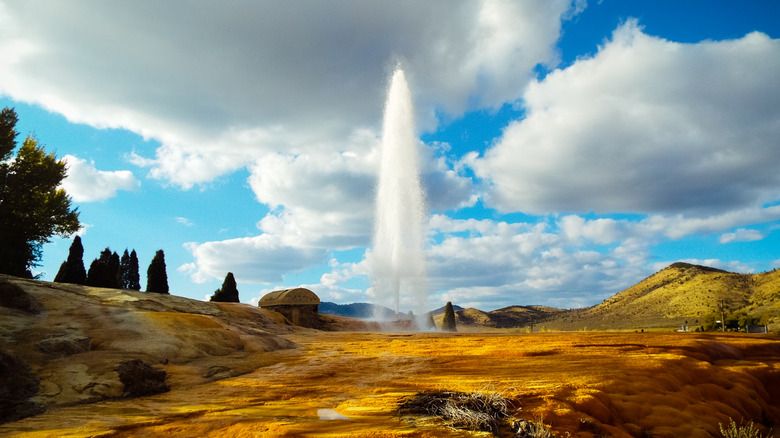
[{"x": 351, "y": 384}]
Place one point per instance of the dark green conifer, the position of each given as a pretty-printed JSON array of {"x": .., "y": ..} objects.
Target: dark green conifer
[
  {"x": 156, "y": 276},
  {"x": 228, "y": 293},
  {"x": 104, "y": 270},
  {"x": 130, "y": 277},
  {"x": 72, "y": 270},
  {"x": 448, "y": 323},
  {"x": 135, "y": 275},
  {"x": 114, "y": 272}
]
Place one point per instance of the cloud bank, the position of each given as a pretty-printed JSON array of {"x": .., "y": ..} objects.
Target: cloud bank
[{"x": 646, "y": 126}]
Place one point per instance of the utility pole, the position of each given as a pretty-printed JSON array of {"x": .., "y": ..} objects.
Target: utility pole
[{"x": 722, "y": 317}]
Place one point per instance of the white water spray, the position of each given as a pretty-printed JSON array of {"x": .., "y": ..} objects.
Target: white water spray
[{"x": 397, "y": 258}]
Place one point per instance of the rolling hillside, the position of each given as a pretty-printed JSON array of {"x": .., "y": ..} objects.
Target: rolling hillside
[{"x": 680, "y": 294}]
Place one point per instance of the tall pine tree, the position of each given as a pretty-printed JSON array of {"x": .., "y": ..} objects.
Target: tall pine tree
[
  {"x": 448, "y": 323},
  {"x": 228, "y": 293},
  {"x": 130, "y": 276},
  {"x": 72, "y": 270},
  {"x": 135, "y": 275},
  {"x": 156, "y": 277},
  {"x": 104, "y": 270}
]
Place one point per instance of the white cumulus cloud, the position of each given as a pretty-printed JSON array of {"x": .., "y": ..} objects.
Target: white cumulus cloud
[
  {"x": 258, "y": 259},
  {"x": 742, "y": 235},
  {"x": 646, "y": 126},
  {"x": 85, "y": 183}
]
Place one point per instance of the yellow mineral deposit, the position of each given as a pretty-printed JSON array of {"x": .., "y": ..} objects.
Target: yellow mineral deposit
[{"x": 350, "y": 384}]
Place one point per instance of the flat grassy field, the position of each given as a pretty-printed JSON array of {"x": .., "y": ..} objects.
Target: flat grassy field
[{"x": 580, "y": 384}]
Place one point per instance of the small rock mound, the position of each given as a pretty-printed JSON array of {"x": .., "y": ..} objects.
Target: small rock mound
[{"x": 140, "y": 379}]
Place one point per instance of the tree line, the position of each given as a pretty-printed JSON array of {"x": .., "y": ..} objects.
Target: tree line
[
  {"x": 34, "y": 207},
  {"x": 111, "y": 271}
]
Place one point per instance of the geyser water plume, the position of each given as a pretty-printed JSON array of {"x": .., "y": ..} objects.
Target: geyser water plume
[{"x": 397, "y": 259}]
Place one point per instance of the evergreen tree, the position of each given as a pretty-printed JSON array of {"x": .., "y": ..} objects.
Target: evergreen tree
[
  {"x": 134, "y": 276},
  {"x": 448, "y": 323},
  {"x": 130, "y": 279},
  {"x": 94, "y": 274},
  {"x": 33, "y": 205},
  {"x": 114, "y": 272},
  {"x": 156, "y": 277},
  {"x": 72, "y": 270},
  {"x": 104, "y": 271},
  {"x": 124, "y": 269},
  {"x": 228, "y": 293}
]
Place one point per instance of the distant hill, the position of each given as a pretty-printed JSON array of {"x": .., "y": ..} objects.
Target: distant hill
[
  {"x": 440, "y": 310},
  {"x": 680, "y": 294},
  {"x": 366, "y": 310},
  {"x": 507, "y": 317}
]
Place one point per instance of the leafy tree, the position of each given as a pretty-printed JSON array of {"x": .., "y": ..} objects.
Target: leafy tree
[
  {"x": 33, "y": 206},
  {"x": 72, "y": 270},
  {"x": 448, "y": 323},
  {"x": 130, "y": 276},
  {"x": 228, "y": 293},
  {"x": 104, "y": 270},
  {"x": 156, "y": 277}
]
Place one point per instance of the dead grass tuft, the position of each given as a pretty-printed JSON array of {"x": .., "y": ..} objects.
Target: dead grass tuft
[
  {"x": 475, "y": 411},
  {"x": 740, "y": 431}
]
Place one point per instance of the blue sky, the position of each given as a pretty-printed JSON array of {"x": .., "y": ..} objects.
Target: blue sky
[{"x": 569, "y": 149}]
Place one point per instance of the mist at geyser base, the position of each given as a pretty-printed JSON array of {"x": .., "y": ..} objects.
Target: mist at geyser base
[{"x": 396, "y": 258}]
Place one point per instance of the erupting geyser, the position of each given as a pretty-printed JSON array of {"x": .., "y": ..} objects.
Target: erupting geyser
[{"x": 397, "y": 259}]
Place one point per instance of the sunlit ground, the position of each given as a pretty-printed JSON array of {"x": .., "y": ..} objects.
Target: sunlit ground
[{"x": 349, "y": 384}]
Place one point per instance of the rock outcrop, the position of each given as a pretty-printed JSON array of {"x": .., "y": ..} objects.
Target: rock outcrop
[{"x": 65, "y": 344}]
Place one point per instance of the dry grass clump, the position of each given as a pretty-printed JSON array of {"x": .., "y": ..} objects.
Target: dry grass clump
[
  {"x": 531, "y": 429},
  {"x": 739, "y": 431},
  {"x": 479, "y": 410},
  {"x": 485, "y": 411}
]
